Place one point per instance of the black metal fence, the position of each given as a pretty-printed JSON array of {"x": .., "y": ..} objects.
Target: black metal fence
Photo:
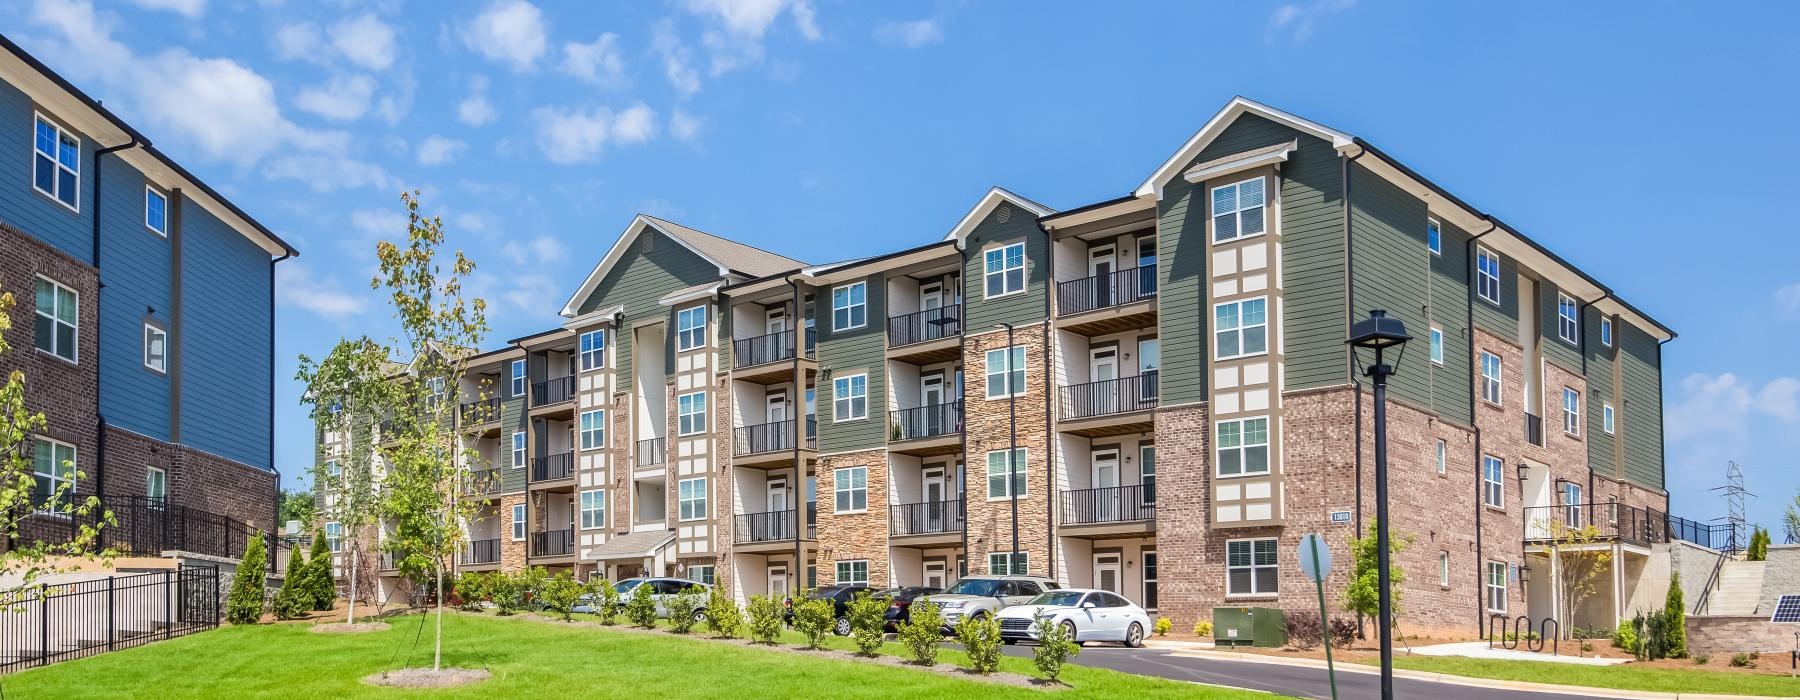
[
  {"x": 1103, "y": 291},
  {"x": 922, "y": 326},
  {"x": 1104, "y": 398},
  {"x": 768, "y": 437},
  {"x": 763, "y": 349},
  {"x": 553, "y": 543},
  {"x": 1113, "y": 504},
  {"x": 46, "y": 624},
  {"x": 926, "y": 421},
  {"x": 555, "y": 390},
  {"x": 1620, "y": 522},
  {"x": 773, "y": 526},
  {"x": 652, "y": 452},
  {"x": 1716, "y": 536},
  {"x": 141, "y": 526},
  {"x": 928, "y": 518},
  {"x": 553, "y": 467},
  {"x": 481, "y": 552}
]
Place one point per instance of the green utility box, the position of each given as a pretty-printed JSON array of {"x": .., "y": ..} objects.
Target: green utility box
[{"x": 1244, "y": 627}]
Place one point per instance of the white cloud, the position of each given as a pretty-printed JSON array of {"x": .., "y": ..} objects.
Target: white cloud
[
  {"x": 577, "y": 136},
  {"x": 683, "y": 126},
  {"x": 476, "y": 110},
  {"x": 393, "y": 106},
  {"x": 598, "y": 62},
  {"x": 662, "y": 208},
  {"x": 735, "y": 29},
  {"x": 636, "y": 124},
  {"x": 1780, "y": 398},
  {"x": 1788, "y": 298},
  {"x": 912, "y": 35},
  {"x": 343, "y": 98},
  {"x": 298, "y": 41},
  {"x": 1297, "y": 23},
  {"x": 509, "y": 31},
  {"x": 537, "y": 251},
  {"x": 295, "y": 285},
  {"x": 437, "y": 150},
  {"x": 366, "y": 41},
  {"x": 677, "y": 58},
  {"x": 188, "y": 8},
  {"x": 327, "y": 172}
]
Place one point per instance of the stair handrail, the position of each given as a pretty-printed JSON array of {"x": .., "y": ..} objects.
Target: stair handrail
[{"x": 1712, "y": 581}]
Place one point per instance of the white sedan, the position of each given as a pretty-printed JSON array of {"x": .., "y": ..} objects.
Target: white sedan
[{"x": 1088, "y": 615}]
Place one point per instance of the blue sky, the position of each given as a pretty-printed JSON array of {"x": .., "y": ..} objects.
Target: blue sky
[{"x": 1649, "y": 143}]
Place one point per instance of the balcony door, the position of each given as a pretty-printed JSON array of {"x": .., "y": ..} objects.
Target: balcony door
[
  {"x": 776, "y": 321},
  {"x": 777, "y": 407},
  {"x": 1100, "y": 268},
  {"x": 936, "y": 493},
  {"x": 1103, "y": 367},
  {"x": 931, "y": 395},
  {"x": 775, "y": 523},
  {"x": 1104, "y": 498},
  {"x": 931, "y": 296}
]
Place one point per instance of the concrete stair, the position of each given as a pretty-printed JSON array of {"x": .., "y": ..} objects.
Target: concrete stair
[{"x": 1740, "y": 589}]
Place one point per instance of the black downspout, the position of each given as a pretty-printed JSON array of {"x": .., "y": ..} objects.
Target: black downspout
[
  {"x": 1349, "y": 317},
  {"x": 1049, "y": 409},
  {"x": 1581, "y": 337},
  {"x": 99, "y": 413},
  {"x": 1469, "y": 321},
  {"x": 799, "y": 436},
  {"x": 275, "y": 522},
  {"x": 962, "y": 475}
]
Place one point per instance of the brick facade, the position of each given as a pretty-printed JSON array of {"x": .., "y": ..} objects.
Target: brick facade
[
  {"x": 854, "y": 535},
  {"x": 988, "y": 427}
]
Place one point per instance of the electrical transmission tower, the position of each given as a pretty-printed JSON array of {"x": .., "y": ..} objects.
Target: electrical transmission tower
[{"x": 1735, "y": 494}]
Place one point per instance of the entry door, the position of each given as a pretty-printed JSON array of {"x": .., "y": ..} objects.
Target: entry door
[
  {"x": 1100, "y": 267},
  {"x": 1105, "y": 501},
  {"x": 777, "y": 404},
  {"x": 936, "y": 510},
  {"x": 934, "y": 574},
  {"x": 777, "y": 526},
  {"x": 931, "y": 296},
  {"x": 1106, "y": 572},
  {"x": 778, "y": 584},
  {"x": 777, "y": 321},
  {"x": 931, "y": 396},
  {"x": 1103, "y": 365}
]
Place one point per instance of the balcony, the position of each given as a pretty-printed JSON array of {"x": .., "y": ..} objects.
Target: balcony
[
  {"x": 1534, "y": 429},
  {"x": 552, "y": 392},
  {"x": 926, "y": 337},
  {"x": 762, "y": 528},
  {"x": 1108, "y": 405},
  {"x": 479, "y": 481},
  {"x": 387, "y": 562},
  {"x": 926, "y": 430},
  {"x": 555, "y": 543},
  {"x": 479, "y": 412},
  {"x": 1110, "y": 505},
  {"x": 761, "y": 359},
  {"x": 928, "y": 518},
  {"x": 481, "y": 553},
  {"x": 766, "y": 444},
  {"x": 1118, "y": 301},
  {"x": 652, "y": 452},
  {"x": 1611, "y": 521},
  {"x": 556, "y": 467}
]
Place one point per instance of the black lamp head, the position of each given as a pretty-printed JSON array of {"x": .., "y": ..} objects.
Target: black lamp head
[{"x": 1378, "y": 331}]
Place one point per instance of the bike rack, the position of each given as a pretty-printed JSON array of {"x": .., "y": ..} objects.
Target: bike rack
[
  {"x": 1497, "y": 630},
  {"x": 1545, "y": 630}
]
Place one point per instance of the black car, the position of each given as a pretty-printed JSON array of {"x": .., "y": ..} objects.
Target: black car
[
  {"x": 900, "y": 602},
  {"x": 840, "y": 597}
]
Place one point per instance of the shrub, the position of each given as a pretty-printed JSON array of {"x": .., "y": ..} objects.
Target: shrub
[
  {"x": 295, "y": 597},
  {"x": 980, "y": 637},
  {"x": 722, "y": 615},
  {"x": 1530, "y": 636},
  {"x": 1203, "y": 628},
  {"x": 1343, "y": 632},
  {"x": 507, "y": 594},
  {"x": 640, "y": 609},
  {"x": 1054, "y": 648},
  {"x": 1625, "y": 637},
  {"x": 1587, "y": 646},
  {"x": 1304, "y": 629},
  {"x": 319, "y": 590},
  {"x": 813, "y": 617},
  {"x": 922, "y": 632},
  {"x": 561, "y": 593},
  {"x": 530, "y": 584},
  {"x": 868, "y": 622},
  {"x": 1741, "y": 660},
  {"x": 606, "y": 600},
  {"x": 1701, "y": 659},
  {"x": 1675, "y": 620},
  {"x": 472, "y": 588},
  {"x": 1162, "y": 627},
  {"x": 245, "y": 604},
  {"x": 682, "y": 608},
  {"x": 765, "y": 619}
]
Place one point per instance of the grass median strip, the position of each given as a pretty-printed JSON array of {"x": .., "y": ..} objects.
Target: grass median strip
[{"x": 1625, "y": 677}]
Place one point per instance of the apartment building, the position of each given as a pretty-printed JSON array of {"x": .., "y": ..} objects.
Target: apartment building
[
  {"x": 1150, "y": 394},
  {"x": 145, "y": 325}
]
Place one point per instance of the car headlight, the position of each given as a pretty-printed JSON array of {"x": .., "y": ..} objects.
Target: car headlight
[{"x": 953, "y": 605}]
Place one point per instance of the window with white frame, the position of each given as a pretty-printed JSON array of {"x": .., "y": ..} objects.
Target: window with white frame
[
  {"x": 53, "y": 467},
  {"x": 850, "y": 306},
  {"x": 1433, "y": 239},
  {"x": 518, "y": 449},
  {"x": 156, "y": 349},
  {"x": 1006, "y": 372},
  {"x": 1490, "y": 378},
  {"x": 1493, "y": 484},
  {"x": 1606, "y": 328},
  {"x": 593, "y": 350},
  {"x": 1008, "y": 563},
  {"x": 704, "y": 573},
  {"x": 1606, "y": 417},
  {"x": 156, "y": 211},
  {"x": 1612, "y": 510},
  {"x": 690, "y": 328},
  {"x": 518, "y": 377},
  {"x": 334, "y": 536},
  {"x": 1496, "y": 587},
  {"x": 1250, "y": 567},
  {"x": 690, "y": 412},
  {"x": 849, "y": 398},
  {"x": 1571, "y": 411},
  {"x": 691, "y": 498},
  {"x": 518, "y": 522},
  {"x": 1241, "y": 328},
  {"x": 1487, "y": 275},
  {"x": 593, "y": 510},
  {"x": 1444, "y": 569},
  {"x": 1437, "y": 345},
  {"x": 1571, "y": 496},
  {"x": 850, "y": 486},
  {"x": 332, "y": 468},
  {"x": 853, "y": 572},
  {"x": 156, "y": 485},
  {"x": 997, "y": 468},
  {"x": 58, "y": 318},
  {"x": 1003, "y": 270},
  {"x": 1443, "y": 456},
  {"x": 56, "y": 163},
  {"x": 1568, "y": 327},
  {"x": 1243, "y": 446},
  {"x": 1237, "y": 210},
  {"x": 593, "y": 430}
]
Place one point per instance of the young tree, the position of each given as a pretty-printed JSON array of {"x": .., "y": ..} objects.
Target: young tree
[
  {"x": 295, "y": 596},
  {"x": 244, "y": 606},
  {"x": 320, "y": 587},
  {"x": 561, "y": 593},
  {"x": 1363, "y": 595},
  {"x": 1790, "y": 519},
  {"x": 1759, "y": 545},
  {"x": 1675, "y": 619},
  {"x": 297, "y": 505},
  {"x": 1582, "y": 557}
]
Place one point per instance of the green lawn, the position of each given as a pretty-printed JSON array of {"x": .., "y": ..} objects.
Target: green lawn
[
  {"x": 1625, "y": 677},
  {"x": 528, "y": 658}
]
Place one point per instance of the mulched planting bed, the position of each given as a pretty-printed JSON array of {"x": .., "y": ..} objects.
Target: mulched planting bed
[{"x": 427, "y": 678}]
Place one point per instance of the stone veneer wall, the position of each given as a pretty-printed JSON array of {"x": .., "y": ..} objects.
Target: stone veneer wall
[
  {"x": 1707, "y": 634},
  {"x": 854, "y": 535},
  {"x": 986, "y": 427}
]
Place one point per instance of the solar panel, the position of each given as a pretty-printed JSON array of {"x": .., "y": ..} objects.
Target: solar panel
[{"x": 1787, "y": 609}]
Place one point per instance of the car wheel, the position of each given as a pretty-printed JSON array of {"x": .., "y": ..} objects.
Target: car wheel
[
  {"x": 1134, "y": 635},
  {"x": 700, "y": 615},
  {"x": 842, "y": 628},
  {"x": 1008, "y": 642},
  {"x": 1069, "y": 629}
]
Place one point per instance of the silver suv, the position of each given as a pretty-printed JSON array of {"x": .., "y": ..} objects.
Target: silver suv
[{"x": 983, "y": 596}]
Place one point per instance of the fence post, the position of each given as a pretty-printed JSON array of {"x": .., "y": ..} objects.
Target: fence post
[
  {"x": 44, "y": 619},
  {"x": 168, "y": 608},
  {"x": 112, "y": 604}
]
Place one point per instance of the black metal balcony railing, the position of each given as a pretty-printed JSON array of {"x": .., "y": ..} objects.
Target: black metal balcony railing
[
  {"x": 1108, "y": 290},
  {"x": 928, "y": 518},
  {"x": 1611, "y": 521},
  {"x": 481, "y": 552},
  {"x": 925, "y": 421},
  {"x": 773, "y": 526},
  {"x": 768, "y": 437},
  {"x": 812, "y": 432},
  {"x": 1113, "y": 504},
  {"x": 389, "y": 561},
  {"x": 481, "y": 481},
  {"x": 652, "y": 452},
  {"x": 553, "y": 467},
  {"x": 1103, "y": 398},
  {"x": 763, "y": 349},
  {"x": 1534, "y": 429},
  {"x": 553, "y": 391},
  {"x": 930, "y": 324},
  {"x": 554, "y": 543},
  {"x": 481, "y": 411}
]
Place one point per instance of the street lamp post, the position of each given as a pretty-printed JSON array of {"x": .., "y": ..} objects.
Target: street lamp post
[
  {"x": 1379, "y": 332},
  {"x": 1012, "y": 448}
]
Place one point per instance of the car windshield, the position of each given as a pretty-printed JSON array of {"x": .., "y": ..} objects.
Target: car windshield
[
  {"x": 1057, "y": 598},
  {"x": 626, "y": 585},
  {"x": 975, "y": 586}
]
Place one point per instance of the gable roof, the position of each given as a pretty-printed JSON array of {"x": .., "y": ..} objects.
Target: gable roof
[
  {"x": 994, "y": 197},
  {"x": 730, "y": 257},
  {"x": 1152, "y": 186}
]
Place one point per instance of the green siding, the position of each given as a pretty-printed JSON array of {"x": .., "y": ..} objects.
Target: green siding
[
  {"x": 1450, "y": 294},
  {"x": 1312, "y": 268},
  {"x": 1502, "y": 319},
  {"x": 1557, "y": 350},
  {"x": 1641, "y": 369},
  {"x": 849, "y": 352},
  {"x": 1599, "y": 370},
  {"x": 512, "y": 418},
  {"x": 1018, "y": 309},
  {"x": 637, "y": 281},
  {"x": 1393, "y": 271}
]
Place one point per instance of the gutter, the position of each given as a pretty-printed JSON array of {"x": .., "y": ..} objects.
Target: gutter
[
  {"x": 1469, "y": 322},
  {"x": 963, "y": 435},
  {"x": 99, "y": 412},
  {"x": 799, "y": 434},
  {"x": 1349, "y": 319},
  {"x": 1049, "y": 409}
]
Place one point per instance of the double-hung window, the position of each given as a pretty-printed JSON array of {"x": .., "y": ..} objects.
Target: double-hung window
[
  {"x": 333, "y": 468},
  {"x": 1571, "y": 411},
  {"x": 1433, "y": 239},
  {"x": 334, "y": 536},
  {"x": 1437, "y": 345},
  {"x": 692, "y": 498},
  {"x": 1443, "y": 456},
  {"x": 1443, "y": 569},
  {"x": 156, "y": 486},
  {"x": 1567, "y": 327},
  {"x": 593, "y": 350},
  {"x": 1008, "y": 563},
  {"x": 518, "y": 377},
  {"x": 849, "y": 398},
  {"x": 1006, "y": 372},
  {"x": 1250, "y": 567},
  {"x": 518, "y": 522},
  {"x": 593, "y": 430},
  {"x": 1241, "y": 328},
  {"x": 1237, "y": 210},
  {"x": 1003, "y": 270},
  {"x": 1490, "y": 377},
  {"x": 691, "y": 413},
  {"x": 56, "y": 163},
  {"x": 850, "y": 487},
  {"x": 1571, "y": 497},
  {"x": 1606, "y": 417},
  {"x": 53, "y": 466},
  {"x": 690, "y": 328},
  {"x": 1493, "y": 485},
  {"x": 156, "y": 349},
  {"x": 518, "y": 449},
  {"x": 156, "y": 211},
  {"x": 1606, "y": 328},
  {"x": 1487, "y": 275},
  {"x": 997, "y": 471},
  {"x": 593, "y": 510},
  {"x": 58, "y": 316},
  {"x": 1496, "y": 587},
  {"x": 853, "y": 572},
  {"x": 705, "y": 573},
  {"x": 1243, "y": 446},
  {"x": 850, "y": 306}
]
